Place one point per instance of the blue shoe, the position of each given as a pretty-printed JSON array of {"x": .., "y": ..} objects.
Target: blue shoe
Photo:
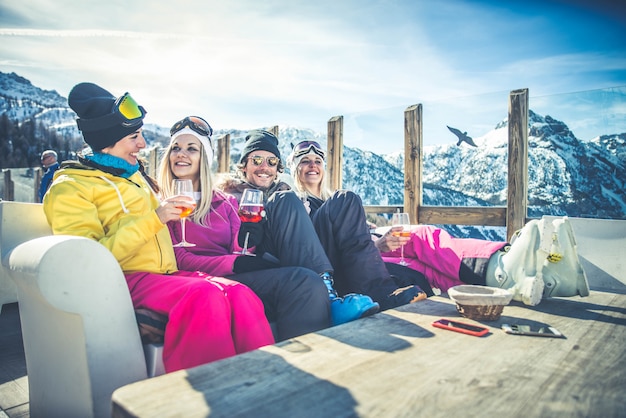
[{"x": 352, "y": 306}]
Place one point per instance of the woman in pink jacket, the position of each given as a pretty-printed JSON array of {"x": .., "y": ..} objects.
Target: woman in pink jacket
[{"x": 295, "y": 298}]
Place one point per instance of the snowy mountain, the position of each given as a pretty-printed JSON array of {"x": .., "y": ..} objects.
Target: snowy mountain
[
  {"x": 566, "y": 176},
  {"x": 20, "y": 100}
]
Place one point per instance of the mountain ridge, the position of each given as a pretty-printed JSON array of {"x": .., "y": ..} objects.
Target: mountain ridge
[{"x": 566, "y": 175}]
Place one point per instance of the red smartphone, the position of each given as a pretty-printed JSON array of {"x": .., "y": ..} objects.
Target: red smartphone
[{"x": 461, "y": 327}]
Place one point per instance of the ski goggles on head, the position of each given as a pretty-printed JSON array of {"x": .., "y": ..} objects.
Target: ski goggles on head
[
  {"x": 125, "y": 112},
  {"x": 258, "y": 160},
  {"x": 305, "y": 147},
  {"x": 128, "y": 107},
  {"x": 195, "y": 123}
]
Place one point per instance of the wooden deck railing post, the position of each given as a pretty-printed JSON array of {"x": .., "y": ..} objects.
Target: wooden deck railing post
[
  {"x": 37, "y": 175},
  {"x": 335, "y": 152},
  {"x": 153, "y": 162},
  {"x": 223, "y": 154},
  {"x": 9, "y": 191},
  {"x": 413, "y": 161},
  {"x": 517, "y": 194}
]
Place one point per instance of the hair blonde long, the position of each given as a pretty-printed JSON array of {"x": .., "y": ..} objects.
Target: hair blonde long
[
  {"x": 206, "y": 184},
  {"x": 301, "y": 188}
]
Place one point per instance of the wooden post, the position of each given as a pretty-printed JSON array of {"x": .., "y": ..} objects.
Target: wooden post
[
  {"x": 517, "y": 195},
  {"x": 223, "y": 154},
  {"x": 153, "y": 162},
  {"x": 334, "y": 160},
  {"x": 37, "y": 175},
  {"x": 413, "y": 161},
  {"x": 9, "y": 191},
  {"x": 274, "y": 129}
]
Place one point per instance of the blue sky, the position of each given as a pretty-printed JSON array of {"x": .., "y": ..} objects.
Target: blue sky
[{"x": 248, "y": 63}]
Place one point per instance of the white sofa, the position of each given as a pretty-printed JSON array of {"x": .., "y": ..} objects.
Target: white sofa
[
  {"x": 81, "y": 339},
  {"x": 18, "y": 223}
]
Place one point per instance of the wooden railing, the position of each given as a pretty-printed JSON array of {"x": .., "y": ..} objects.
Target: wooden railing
[
  {"x": 9, "y": 185},
  {"x": 513, "y": 216}
]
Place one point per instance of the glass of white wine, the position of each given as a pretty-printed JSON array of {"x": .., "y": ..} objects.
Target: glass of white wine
[
  {"x": 401, "y": 219},
  {"x": 184, "y": 187}
]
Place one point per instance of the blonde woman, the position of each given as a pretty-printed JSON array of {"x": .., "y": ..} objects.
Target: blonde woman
[
  {"x": 106, "y": 196},
  {"x": 447, "y": 261},
  {"x": 295, "y": 299}
]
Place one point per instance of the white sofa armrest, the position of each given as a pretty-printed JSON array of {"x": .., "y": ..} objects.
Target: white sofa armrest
[{"x": 80, "y": 334}]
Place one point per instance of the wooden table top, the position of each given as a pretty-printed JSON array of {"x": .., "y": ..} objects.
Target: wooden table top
[{"x": 397, "y": 364}]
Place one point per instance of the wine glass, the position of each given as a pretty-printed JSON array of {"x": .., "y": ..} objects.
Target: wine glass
[
  {"x": 401, "y": 219},
  {"x": 250, "y": 210},
  {"x": 184, "y": 187}
]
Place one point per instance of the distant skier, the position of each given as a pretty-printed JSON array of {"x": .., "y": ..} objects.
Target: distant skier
[{"x": 462, "y": 137}]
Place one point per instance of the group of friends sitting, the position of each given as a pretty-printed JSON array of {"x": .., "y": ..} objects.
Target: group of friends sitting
[{"x": 315, "y": 263}]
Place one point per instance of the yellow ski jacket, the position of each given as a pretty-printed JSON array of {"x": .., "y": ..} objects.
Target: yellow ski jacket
[{"x": 119, "y": 213}]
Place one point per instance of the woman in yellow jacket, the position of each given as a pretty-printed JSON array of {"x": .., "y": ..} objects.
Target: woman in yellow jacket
[{"x": 107, "y": 197}]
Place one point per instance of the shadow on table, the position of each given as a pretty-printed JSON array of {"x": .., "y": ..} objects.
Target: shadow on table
[
  {"x": 386, "y": 330},
  {"x": 246, "y": 388},
  {"x": 580, "y": 308},
  {"x": 575, "y": 308}
]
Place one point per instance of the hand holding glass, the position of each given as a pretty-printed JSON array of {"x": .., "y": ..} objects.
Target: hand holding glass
[
  {"x": 184, "y": 188},
  {"x": 250, "y": 210},
  {"x": 401, "y": 219}
]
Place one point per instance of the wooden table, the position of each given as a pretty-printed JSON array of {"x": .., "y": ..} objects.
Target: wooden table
[{"x": 397, "y": 364}]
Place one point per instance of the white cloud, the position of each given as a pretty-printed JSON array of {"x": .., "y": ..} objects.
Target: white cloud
[{"x": 247, "y": 63}]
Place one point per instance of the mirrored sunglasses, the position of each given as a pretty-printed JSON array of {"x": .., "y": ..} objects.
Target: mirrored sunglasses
[
  {"x": 258, "y": 160},
  {"x": 195, "y": 123},
  {"x": 305, "y": 147}
]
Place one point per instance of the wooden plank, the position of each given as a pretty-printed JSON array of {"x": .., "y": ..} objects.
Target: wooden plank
[
  {"x": 457, "y": 215},
  {"x": 37, "y": 175},
  {"x": 13, "y": 380},
  {"x": 396, "y": 364},
  {"x": 334, "y": 159},
  {"x": 223, "y": 154},
  {"x": 463, "y": 215},
  {"x": 517, "y": 191},
  {"x": 413, "y": 162},
  {"x": 153, "y": 162},
  {"x": 383, "y": 208},
  {"x": 9, "y": 192}
]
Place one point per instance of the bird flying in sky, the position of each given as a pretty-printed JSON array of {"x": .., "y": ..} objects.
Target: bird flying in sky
[{"x": 462, "y": 137}]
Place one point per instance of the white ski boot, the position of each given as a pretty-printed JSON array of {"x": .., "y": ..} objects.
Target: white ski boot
[
  {"x": 562, "y": 273},
  {"x": 516, "y": 269}
]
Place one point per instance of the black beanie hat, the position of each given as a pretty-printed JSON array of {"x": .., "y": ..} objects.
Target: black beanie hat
[
  {"x": 91, "y": 102},
  {"x": 260, "y": 140}
]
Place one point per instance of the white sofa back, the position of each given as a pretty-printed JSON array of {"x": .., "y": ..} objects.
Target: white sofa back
[{"x": 81, "y": 339}]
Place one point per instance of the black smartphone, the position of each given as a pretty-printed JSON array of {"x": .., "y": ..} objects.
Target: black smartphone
[
  {"x": 461, "y": 327},
  {"x": 520, "y": 329}
]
